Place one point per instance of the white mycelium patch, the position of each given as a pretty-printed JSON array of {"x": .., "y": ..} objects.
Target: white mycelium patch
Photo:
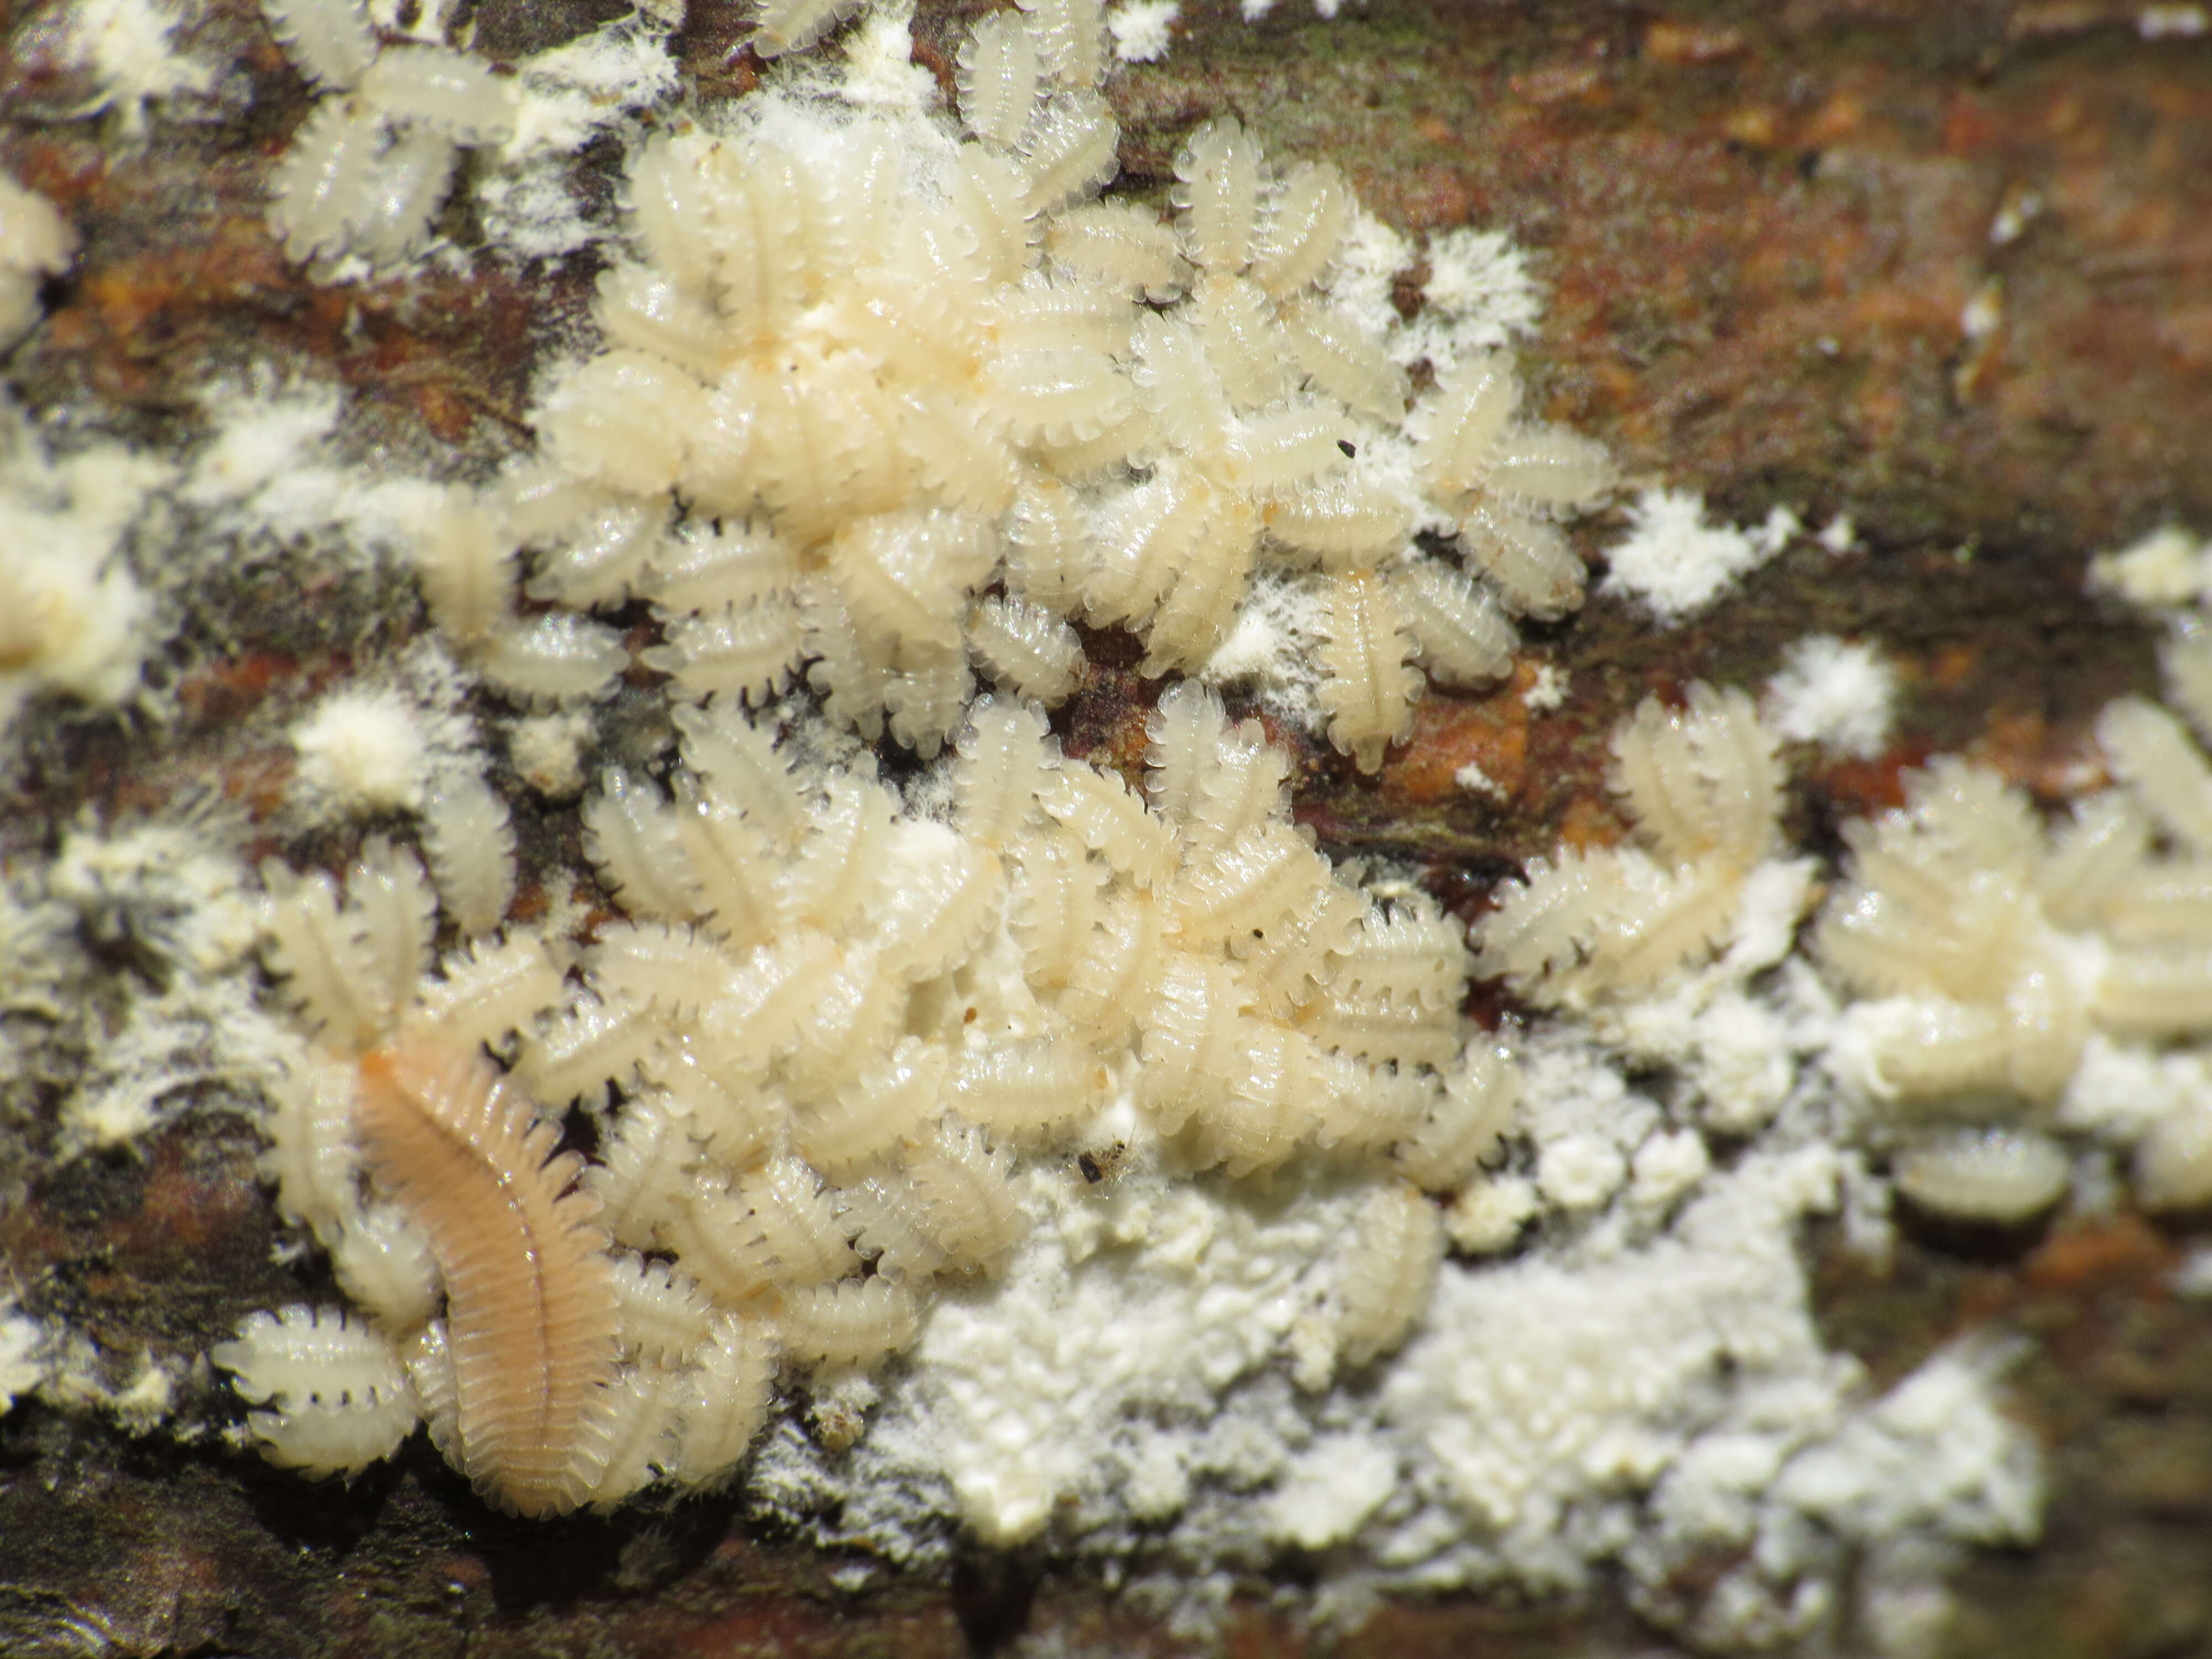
[
  {"x": 35, "y": 243},
  {"x": 74, "y": 619},
  {"x": 184, "y": 1020},
  {"x": 1142, "y": 30},
  {"x": 133, "y": 53},
  {"x": 1092, "y": 1160},
  {"x": 1674, "y": 562},
  {"x": 363, "y": 749},
  {"x": 1839, "y": 694}
]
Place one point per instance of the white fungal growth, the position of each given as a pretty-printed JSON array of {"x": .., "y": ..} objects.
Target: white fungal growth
[
  {"x": 129, "y": 50},
  {"x": 1143, "y": 29},
  {"x": 547, "y": 752},
  {"x": 1676, "y": 563},
  {"x": 1834, "y": 693},
  {"x": 73, "y": 617},
  {"x": 1479, "y": 284},
  {"x": 362, "y": 750},
  {"x": 35, "y": 243}
]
